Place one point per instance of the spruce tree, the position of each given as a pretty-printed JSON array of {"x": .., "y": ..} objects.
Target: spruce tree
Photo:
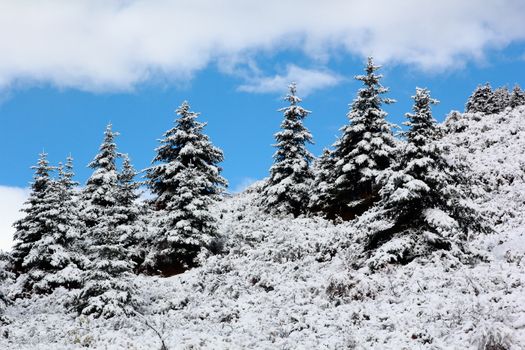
[
  {"x": 107, "y": 290},
  {"x": 517, "y": 97},
  {"x": 100, "y": 193},
  {"x": 423, "y": 207},
  {"x": 70, "y": 206},
  {"x": 131, "y": 225},
  {"x": 66, "y": 175},
  {"x": 480, "y": 99},
  {"x": 499, "y": 100},
  {"x": 30, "y": 228},
  {"x": 363, "y": 152},
  {"x": 287, "y": 190},
  {"x": 185, "y": 180},
  {"x": 323, "y": 183},
  {"x": 61, "y": 251},
  {"x": 51, "y": 259}
]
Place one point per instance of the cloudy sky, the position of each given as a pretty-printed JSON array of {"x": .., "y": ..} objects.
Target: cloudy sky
[{"x": 69, "y": 67}]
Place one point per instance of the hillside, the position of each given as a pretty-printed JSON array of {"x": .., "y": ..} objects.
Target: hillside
[{"x": 287, "y": 283}]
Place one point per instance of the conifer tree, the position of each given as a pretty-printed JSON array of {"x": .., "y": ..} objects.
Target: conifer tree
[
  {"x": 323, "y": 183},
  {"x": 131, "y": 225},
  {"x": 517, "y": 97},
  {"x": 66, "y": 175},
  {"x": 51, "y": 259},
  {"x": 61, "y": 251},
  {"x": 30, "y": 228},
  {"x": 499, "y": 100},
  {"x": 363, "y": 152},
  {"x": 479, "y": 100},
  {"x": 100, "y": 193},
  {"x": 422, "y": 206},
  {"x": 185, "y": 180},
  {"x": 107, "y": 290},
  {"x": 287, "y": 189},
  {"x": 70, "y": 206}
]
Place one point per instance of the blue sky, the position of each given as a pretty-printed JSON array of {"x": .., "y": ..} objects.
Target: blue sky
[
  {"x": 66, "y": 120},
  {"x": 67, "y": 68}
]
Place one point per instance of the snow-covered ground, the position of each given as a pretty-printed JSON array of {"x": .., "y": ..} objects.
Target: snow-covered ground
[{"x": 287, "y": 283}]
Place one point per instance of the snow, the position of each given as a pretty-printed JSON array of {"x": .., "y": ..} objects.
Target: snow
[
  {"x": 287, "y": 283},
  {"x": 438, "y": 218}
]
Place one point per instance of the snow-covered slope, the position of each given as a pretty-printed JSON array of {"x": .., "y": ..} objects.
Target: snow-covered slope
[
  {"x": 286, "y": 283},
  {"x": 494, "y": 148}
]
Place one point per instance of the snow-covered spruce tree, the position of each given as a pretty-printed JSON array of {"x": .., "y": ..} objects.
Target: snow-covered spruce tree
[
  {"x": 60, "y": 252},
  {"x": 132, "y": 226},
  {"x": 50, "y": 260},
  {"x": 107, "y": 290},
  {"x": 287, "y": 190},
  {"x": 69, "y": 198},
  {"x": 499, "y": 100},
  {"x": 30, "y": 228},
  {"x": 479, "y": 100},
  {"x": 364, "y": 150},
  {"x": 422, "y": 206},
  {"x": 185, "y": 180},
  {"x": 323, "y": 183},
  {"x": 65, "y": 177},
  {"x": 517, "y": 97}
]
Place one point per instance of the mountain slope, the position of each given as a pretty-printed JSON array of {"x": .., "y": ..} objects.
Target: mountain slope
[{"x": 286, "y": 283}]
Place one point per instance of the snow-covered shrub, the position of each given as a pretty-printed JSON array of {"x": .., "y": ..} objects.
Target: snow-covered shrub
[
  {"x": 6, "y": 278},
  {"x": 455, "y": 122},
  {"x": 347, "y": 287},
  {"x": 495, "y": 336}
]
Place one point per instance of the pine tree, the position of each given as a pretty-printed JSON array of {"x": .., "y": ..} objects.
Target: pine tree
[
  {"x": 100, "y": 192},
  {"x": 61, "y": 251},
  {"x": 185, "y": 180},
  {"x": 517, "y": 97},
  {"x": 131, "y": 225},
  {"x": 323, "y": 183},
  {"x": 422, "y": 206},
  {"x": 287, "y": 189},
  {"x": 479, "y": 100},
  {"x": 363, "y": 152},
  {"x": 51, "y": 259},
  {"x": 69, "y": 198},
  {"x": 30, "y": 228},
  {"x": 499, "y": 100},
  {"x": 107, "y": 290},
  {"x": 66, "y": 175}
]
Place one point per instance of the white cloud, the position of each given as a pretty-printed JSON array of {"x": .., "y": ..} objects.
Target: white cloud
[
  {"x": 308, "y": 80},
  {"x": 102, "y": 45},
  {"x": 11, "y": 201}
]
